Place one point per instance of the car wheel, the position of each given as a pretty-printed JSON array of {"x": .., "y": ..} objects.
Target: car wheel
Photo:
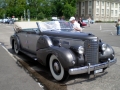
[
  {"x": 56, "y": 69},
  {"x": 16, "y": 47}
]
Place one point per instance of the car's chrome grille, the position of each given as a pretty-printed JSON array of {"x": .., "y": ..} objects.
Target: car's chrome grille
[{"x": 91, "y": 51}]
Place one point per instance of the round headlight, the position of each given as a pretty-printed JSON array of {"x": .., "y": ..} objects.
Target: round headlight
[
  {"x": 104, "y": 47},
  {"x": 80, "y": 50}
]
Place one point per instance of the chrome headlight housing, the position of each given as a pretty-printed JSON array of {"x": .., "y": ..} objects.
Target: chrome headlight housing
[
  {"x": 80, "y": 50},
  {"x": 104, "y": 47}
]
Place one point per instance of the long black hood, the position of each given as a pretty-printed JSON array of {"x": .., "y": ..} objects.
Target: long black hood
[{"x": 73, "y": 35}]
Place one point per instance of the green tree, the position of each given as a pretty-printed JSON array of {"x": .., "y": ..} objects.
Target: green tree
[
  {"x": 64, "y": 7},
  {"x": 40, "y": 16},
  {"x": 68, "y": 10},
  {"x": 47, "y": 8},
  {"x": 2, "y": 13},
  {"x": 15, "y": 8}
]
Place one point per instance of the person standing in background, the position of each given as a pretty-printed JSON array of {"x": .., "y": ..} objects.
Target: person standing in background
[
  {"x": 89, "y": 19},
  {"x": 75, "y": 24},
  {"x": 118, "y": 27},
  {"x": 62, "y": 18},
  {"x": 80, "y": 22}
]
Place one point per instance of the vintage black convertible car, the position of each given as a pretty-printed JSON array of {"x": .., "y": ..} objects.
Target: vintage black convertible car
[{"x": 55, "y": 44}]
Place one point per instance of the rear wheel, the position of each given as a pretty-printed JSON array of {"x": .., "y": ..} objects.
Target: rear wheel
[
  {"x": 16, "y": 49},
  {"x": 57, "y": 69}
]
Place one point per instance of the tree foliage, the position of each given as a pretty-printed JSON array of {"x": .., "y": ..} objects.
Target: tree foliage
[
  {"x": 39, "y": 9},
  {"x": 68, "y": 10}
]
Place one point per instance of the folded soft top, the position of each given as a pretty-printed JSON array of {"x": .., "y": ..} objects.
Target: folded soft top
[{"x": 24, "y": 25}]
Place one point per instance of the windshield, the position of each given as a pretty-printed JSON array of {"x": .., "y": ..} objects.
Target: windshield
[{"x": 55, "y": 25}]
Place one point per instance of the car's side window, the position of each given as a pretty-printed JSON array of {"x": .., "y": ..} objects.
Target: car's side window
[
  {"x": 36, "y": 30},
  {"x": 31, "y": 30}
]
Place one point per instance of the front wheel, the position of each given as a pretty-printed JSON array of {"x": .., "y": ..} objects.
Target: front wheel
[
  {"x": 56, "y": 69},
  {"x": 16, "y": 49}
]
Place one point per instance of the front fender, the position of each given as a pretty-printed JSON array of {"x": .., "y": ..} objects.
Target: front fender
[
  {"x": 65, "y": 56},
  {"x": 45, "y": 48},
  {"x": 108, "y": 53}
]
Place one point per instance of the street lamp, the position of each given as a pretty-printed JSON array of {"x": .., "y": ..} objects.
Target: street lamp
[
  {"x": 28, "y": 13},
  {"x": 24, "y": 15}
]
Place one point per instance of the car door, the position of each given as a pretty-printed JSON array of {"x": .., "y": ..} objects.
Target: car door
[
  {"x": 23, "y": 39},
  {"x": 33, "y": 36}
]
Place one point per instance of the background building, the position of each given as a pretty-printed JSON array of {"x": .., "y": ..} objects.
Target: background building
[{"x": 99, "y": 10}]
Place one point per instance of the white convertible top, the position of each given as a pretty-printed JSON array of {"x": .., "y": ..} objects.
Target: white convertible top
[{"x": 24, "y": 25}]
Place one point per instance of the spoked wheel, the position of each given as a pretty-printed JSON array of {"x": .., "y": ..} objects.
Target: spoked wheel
[
  {"x": 16, "y": 49},
  {"x": 56, "y": 69}
]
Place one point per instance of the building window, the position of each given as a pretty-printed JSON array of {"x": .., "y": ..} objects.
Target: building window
[
  {"x": 83, "y": 3},
  {"x": 107, "y": 4},
  {"x": 90, "y": 3},
  {"x": 97, "y": 3},
  {"x": 82, "y": 11},
  {"x": 116, "y": 5},
  {"x": 102, "y": 11},
  {"x": 97, "y": 11},
  {"x": 112, "y": 5},
  {"x": 115, "y": 12},
  {"x": 90, "y": 11},
  {"x": 102, "y": 3},
  {"x": 112, "y": 12},
  {"x": 107, "y": 11}
]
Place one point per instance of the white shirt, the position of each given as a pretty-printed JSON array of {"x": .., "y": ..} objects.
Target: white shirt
[{"x": 76, "y": 25}]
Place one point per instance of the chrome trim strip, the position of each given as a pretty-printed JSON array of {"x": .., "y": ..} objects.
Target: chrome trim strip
[
  {"x": 89, "y": 68},
  {"x": 108, "y": 62}
]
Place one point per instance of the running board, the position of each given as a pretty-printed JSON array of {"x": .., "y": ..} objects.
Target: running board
[{"x": 29, "y": 54}]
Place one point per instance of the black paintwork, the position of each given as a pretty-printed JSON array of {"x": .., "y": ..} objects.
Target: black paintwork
[{"x": 50, "y": 43}]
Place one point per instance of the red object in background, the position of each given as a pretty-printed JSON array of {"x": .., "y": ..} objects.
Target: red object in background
[{"x": 84, "y": 24}]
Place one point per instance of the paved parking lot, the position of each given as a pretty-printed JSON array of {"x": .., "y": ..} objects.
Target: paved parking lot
[
  {"x": 109, "y": 80},
  {"x": 105, "y": 31}
]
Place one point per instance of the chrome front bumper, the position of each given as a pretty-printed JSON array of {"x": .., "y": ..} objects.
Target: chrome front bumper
[{"x": 89, "y": 68}]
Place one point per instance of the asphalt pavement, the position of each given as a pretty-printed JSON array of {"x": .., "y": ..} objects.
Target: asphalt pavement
[{"x": 13, "y": 77}]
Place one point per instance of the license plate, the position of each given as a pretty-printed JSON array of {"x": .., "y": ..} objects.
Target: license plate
[{"x": 98, "y": 71}]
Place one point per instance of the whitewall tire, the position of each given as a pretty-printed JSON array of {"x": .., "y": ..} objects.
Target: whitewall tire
[
  {"x": 16, "y": 49},
  {"x": 56, "y": 68}
]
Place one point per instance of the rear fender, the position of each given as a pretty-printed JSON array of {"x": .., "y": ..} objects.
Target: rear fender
[
  {"x": 15, "y": 38},
  {"x": 44, "y": 42}
]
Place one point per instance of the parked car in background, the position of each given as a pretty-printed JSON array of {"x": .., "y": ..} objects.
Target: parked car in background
[
  {"x": 84, "y": 24},
  {"x": 65, "y": 52},
  {"x": 0, "y": 20},
  {"x": 91, "y": 21},
  {"x": 5, "y": 20},
  {"x": 55, "y": 19},
  {"x": 8, "y": 20},
  {"x": 11, "y": 21}
]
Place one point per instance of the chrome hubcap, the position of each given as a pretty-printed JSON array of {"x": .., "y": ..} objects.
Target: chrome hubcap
[
  {"x": 56, "y": 67},
  {"x": 15, "y": 47}
]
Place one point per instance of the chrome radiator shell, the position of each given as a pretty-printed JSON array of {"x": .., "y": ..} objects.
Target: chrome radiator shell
[{"x": 91, "y": 48}]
